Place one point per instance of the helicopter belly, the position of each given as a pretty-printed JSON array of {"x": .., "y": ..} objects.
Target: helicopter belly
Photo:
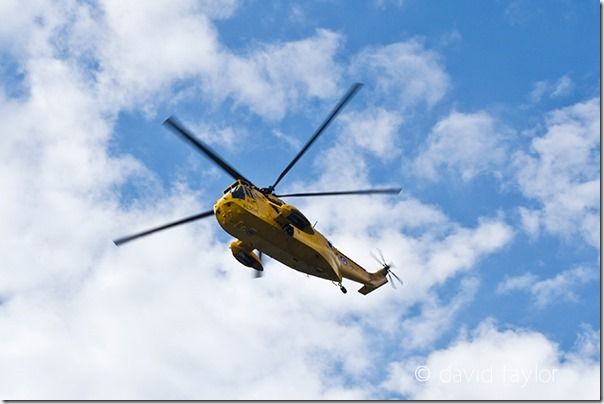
[{"x": 295, "y": 251}]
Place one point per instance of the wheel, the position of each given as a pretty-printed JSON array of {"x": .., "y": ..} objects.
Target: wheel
[{"x": 343, "y": 289}]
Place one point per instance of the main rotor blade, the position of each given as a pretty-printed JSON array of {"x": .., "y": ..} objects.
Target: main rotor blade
[
  {"x": 179, "y": 129},
  {"x": 353, "y": 90},
  {"x": 198, "y": 216},
  {"x": 362, "y": 192}
]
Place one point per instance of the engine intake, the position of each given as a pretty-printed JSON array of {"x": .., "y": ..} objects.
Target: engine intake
[{"x": 290, "y": 215}]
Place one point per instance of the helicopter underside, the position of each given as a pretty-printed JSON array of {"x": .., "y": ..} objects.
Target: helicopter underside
[{"x": 293, "y": 250}]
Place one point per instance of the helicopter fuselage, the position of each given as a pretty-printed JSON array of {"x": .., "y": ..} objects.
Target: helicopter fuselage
[{"x": 264, "y": 222}]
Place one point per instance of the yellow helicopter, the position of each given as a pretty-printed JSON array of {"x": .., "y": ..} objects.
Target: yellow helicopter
[{"x": 260, "y": 220}]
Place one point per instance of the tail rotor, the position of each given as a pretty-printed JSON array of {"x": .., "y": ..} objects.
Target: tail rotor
[{"x": 390, "y": 275}]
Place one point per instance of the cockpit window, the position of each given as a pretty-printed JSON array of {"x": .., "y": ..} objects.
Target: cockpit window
[
  {"x": 238, "y": 192},
  {"x": 248, "y": 192}
]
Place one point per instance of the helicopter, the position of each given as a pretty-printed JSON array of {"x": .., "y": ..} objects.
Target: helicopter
[{"x": 260, "y": 220}]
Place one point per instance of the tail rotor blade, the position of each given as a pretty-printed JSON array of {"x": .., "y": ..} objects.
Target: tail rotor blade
[
  {"x": 375, "y": 258},
  {"x": 381, "y": 256},
  {"x": 396, "y": 277},
  {"x": 389, "y": 276}
]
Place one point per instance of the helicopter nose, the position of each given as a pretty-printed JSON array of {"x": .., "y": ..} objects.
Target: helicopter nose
[
  {"x": 220, "y": 207},
  {"x": 225, "y": 211}
]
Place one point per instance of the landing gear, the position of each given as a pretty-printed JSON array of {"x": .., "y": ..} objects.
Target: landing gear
[{"x": 342, "y": 288}]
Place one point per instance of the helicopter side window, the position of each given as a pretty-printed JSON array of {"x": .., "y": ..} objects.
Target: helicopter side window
[{"x": 238, "y": 192}]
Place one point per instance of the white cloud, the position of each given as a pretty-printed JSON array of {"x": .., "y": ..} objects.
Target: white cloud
[
  {"x": 450, "y": 39},
  {"x": 561, "y": 88},
  {"x": 530, "y": 220},
  {"x": 436, "y": 317},
  {"x": 218, "y": 8},
  {"x": 562, "y": 171},
  {"x": 216, "y": 134},
  {"x": 374, "y": 129},
  {"x": 540, "y": 88},
  {"x": 133, "y": 54},
  {"x": 383, "y": 4},
  {"x": 524, "y": 281},
  {"x": 404, "y": 71},
  {"x": 274, "y": 76},
  {"x": 505, "y": 363},
  {"x": 464, "y": 144},
  {"x": 292, "y": 141},
  {"x": 143, "y": 49},
  {"x": 550, "y": 290},
  {"x": 267, "y": 80},
  {"x": 587, "y": 344}
]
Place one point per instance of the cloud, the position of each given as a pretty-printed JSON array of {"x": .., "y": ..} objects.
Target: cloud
[
  {"x": 404, "y": 72},
  {"x": 375, "y": 130},
  {"x": 550, "y": 290},
  {"x": 436, "y": 317},
  {"x": 510, "y": 364},
  {"x": 274, "y": 76},
  {"x": 464, "y": 144},
  {"x": 383, "y": 4},
  {"x": 561, "y": 88},
  {"x": 540, "y": 88},
  {"x": 291, "y": 141},
  {"x": 450, "y": 39},
  {"x": 132, "y": 55},
  {"x": 216, "y": 134},
  {"x": 561, "y": 173},
  {"x": 530, "y": 220}
]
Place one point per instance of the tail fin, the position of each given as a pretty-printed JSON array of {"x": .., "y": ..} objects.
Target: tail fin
[{"x": 377, "y": 279}]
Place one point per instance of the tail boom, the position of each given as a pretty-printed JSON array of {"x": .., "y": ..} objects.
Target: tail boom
[{"x": 377, "y": 279}]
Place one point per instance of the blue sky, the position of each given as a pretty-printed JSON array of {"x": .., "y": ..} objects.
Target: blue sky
[{"x": 485, "y": 113}]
